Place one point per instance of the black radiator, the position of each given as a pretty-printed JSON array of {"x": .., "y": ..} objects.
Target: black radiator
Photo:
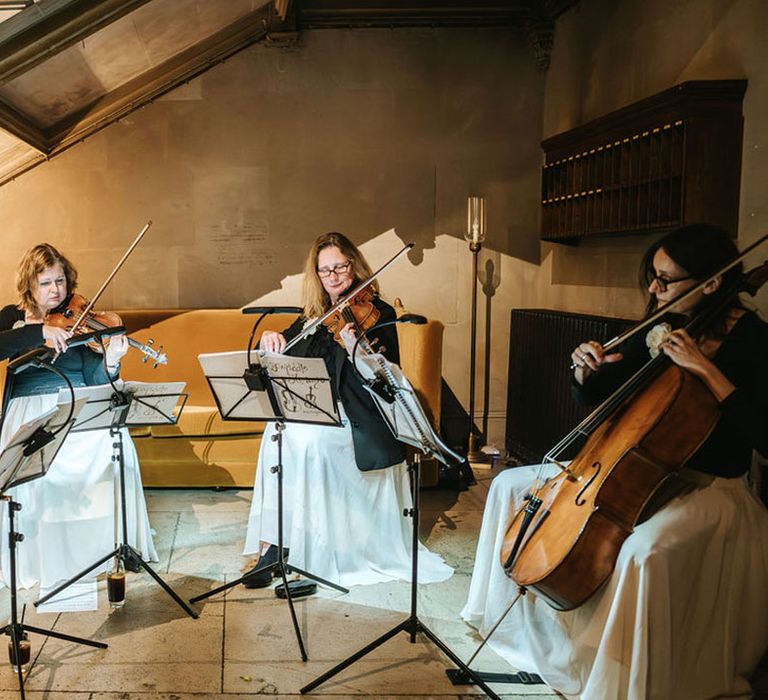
[{"x": 540, "y": 409}]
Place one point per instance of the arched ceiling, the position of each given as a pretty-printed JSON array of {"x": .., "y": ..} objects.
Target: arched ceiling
[{"x": 70, "y": 67}]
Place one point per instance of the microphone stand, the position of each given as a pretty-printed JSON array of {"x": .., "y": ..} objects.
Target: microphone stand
[
  {"x": 123, "y": 551},
  {"x": 431, "y": 445},
  {"x": 16, "y": 629}
]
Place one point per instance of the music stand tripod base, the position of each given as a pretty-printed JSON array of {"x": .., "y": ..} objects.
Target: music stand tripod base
[
  {"x": 124, "y": 551},
  {"x": 412, "y": 625},
  {"x": 459, "y": 677},
  {"x": 22, "y": 462},
  {"x": 234, "y": 381}
]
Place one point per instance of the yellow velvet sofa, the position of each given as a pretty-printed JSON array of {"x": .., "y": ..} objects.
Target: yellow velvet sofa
[{"x": 202, "y": 450}]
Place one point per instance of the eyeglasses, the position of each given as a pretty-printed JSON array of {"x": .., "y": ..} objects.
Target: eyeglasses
[
  {"x": 337, "y": 270},
  {"x": 662, "y": 283}
]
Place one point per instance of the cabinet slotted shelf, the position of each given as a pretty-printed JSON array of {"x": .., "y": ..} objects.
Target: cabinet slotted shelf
[{"x": 670, "y": 159}]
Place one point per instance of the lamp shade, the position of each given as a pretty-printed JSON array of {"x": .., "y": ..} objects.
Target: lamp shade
[{"x": 475, "y": 220}]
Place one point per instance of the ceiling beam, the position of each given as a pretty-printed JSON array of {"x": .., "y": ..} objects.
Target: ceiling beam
[
  {"x": 47, "y": 28},
  {"x": 22, "y": 128},
  {"x": 317, "y": 14}
]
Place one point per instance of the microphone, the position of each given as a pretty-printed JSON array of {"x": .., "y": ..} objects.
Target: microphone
[
  {"x": 85, "y": 338},
  {"x": 412, "y": 318},
  {"x": 272, "y": 310},
  {"x": 29, "y": 359}
]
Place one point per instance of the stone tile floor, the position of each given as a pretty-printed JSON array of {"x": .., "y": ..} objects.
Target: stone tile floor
[{"x": 243, "y": 645}]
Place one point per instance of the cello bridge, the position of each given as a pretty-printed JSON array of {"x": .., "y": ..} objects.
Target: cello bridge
[{"x": 566, "y": 470}]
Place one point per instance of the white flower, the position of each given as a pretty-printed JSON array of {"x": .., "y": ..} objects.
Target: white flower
[
  {"x": 656, "y": 337},
  {"x": 309, "y": 322},
  {"x": 19, "y": 324}
]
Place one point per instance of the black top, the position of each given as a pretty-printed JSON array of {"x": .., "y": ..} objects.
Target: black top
[
  {"x": 82, "y": 366},
  {"x": 743, "y": 426},
  {"x": 14, "y": 341},
  {"x": 375, "y": 446}
]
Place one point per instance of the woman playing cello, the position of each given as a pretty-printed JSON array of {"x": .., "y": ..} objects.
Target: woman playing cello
[
  {"x": 345, "y": 488},
  {"x": 683, "y": 614}
]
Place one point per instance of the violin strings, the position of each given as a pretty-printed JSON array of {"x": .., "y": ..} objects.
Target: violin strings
[{"x": 596, "y": 418}]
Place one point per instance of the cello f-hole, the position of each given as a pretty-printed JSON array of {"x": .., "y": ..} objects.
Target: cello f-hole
[{"x": 579, "y": 500}]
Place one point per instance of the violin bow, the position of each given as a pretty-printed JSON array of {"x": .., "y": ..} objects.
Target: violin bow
[
  {"x": 678, "y": 300},
  {"x": 111, "y": 275},
  {"x": 349, "y": 295}
]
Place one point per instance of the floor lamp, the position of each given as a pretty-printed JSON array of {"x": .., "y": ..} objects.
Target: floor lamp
[{"x": 475, "y": 236}]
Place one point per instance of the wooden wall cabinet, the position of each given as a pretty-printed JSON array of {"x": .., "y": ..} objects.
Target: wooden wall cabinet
[{"x": 671, "y": 159}]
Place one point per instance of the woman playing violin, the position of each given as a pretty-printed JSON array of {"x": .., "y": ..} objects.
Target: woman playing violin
[
  {"x": 44, "y": 281},
  {"x": 683, "y": 614},
  {"x": 345, "y": 488},
  {"x": 68, "y": 515}
]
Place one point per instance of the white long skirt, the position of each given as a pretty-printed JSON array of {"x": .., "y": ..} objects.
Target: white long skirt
[
  {"x": 341, "y": 524},
  {"x": 683, "y": 616},
  {"x": 69, "y": 516}
]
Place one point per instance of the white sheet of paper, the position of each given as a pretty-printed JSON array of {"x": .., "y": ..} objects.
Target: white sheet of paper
[
  {"x": 81, "y": 596},
  {"x": 153, "y": 402},
  {"x": 298, "y": 380}
]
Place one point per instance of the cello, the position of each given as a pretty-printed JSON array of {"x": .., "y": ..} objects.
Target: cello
[{"x": 564, "y": 543}]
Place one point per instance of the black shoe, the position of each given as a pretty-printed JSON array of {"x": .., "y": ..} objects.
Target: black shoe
[{"x": 262, "y": 579}]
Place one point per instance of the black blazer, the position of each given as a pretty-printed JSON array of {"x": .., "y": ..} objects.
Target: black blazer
[
  {"x": 375, "y": 446},
  {"x": 14, "y": 341}
]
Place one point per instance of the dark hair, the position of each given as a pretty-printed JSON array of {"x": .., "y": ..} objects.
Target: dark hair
[{"x": 700, "y": 249}]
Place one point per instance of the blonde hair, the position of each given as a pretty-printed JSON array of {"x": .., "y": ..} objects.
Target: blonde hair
[
  {"x": 35, "y": 261},
  {"x": 314, "y": 297}
]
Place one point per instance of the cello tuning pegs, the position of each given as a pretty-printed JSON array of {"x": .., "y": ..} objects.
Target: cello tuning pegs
[
  {"x": 150, "y": 341},
  {"x": 154, "y": 366},
  {"x": 144, "y": 359}
]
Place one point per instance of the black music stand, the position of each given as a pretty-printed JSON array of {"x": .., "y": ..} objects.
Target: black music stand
[
  {"x": 401, "y": 410},
  {"x": 28, "y": 456},
  {"x": 137, "y": 404},
  {"x": 283, "y": 390}
]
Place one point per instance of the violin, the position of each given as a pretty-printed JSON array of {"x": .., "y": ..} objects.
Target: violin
[
  {"x": 358, "y": 310},
  {"x": 76, "y": 313}
]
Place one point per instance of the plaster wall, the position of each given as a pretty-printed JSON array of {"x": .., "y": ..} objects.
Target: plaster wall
[
  {"x": 365, "y": 130},
  {"x": 609, "y": 54},
  {"x": 353, "y": 130}
]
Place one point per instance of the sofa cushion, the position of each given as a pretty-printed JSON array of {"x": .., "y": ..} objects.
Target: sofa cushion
[{"x": 205, "y": 421}]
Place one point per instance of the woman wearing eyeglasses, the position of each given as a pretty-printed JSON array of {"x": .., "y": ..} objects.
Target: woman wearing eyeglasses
[
  {"x": 344, "y": 488},
  {"x": 683, "y": 615},
  {"x": 68, "y": 516}
]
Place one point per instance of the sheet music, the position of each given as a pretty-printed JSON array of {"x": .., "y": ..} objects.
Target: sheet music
[
  {"x": 296, "y": 380},
  {"x": 302, "y": 388},
  {"x": 15, "y": 467},
  {"x": 95, "y": 413},
  {"x": 151, "y": 403},
  {"x": 405, "y": 416},
  {"x": 224, "y": 371},
  {"x": 12, "y": 455},
  {"x": 80, "y": 596}
]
